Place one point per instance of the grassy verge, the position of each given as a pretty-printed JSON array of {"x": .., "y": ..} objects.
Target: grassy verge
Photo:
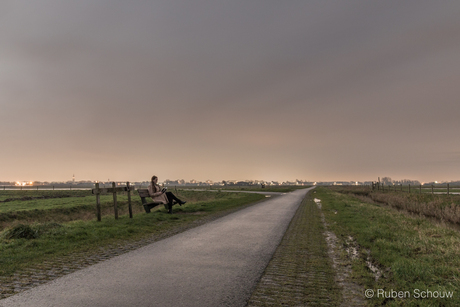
[
  {"x": 29, "y": 245},
  {"x": 405, "y": 260}
]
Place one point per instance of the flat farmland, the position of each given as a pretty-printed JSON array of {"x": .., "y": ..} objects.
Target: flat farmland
[{"x": 64, "y": 206}]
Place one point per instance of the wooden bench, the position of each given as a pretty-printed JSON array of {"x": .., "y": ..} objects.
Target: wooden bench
[{"x": 143, "y": 193}]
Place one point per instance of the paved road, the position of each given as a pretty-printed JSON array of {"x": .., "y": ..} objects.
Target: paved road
[
  {"x": 216, "y": 264},
  {"x": 239, "y": 191}
]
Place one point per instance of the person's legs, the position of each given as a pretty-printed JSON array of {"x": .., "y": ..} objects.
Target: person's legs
[
  {"x": 170, "y": 208},
  {"x": 171, "y": 197}
]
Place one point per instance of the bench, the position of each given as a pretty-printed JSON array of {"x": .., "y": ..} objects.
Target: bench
[{"x": 143, "y": 193}]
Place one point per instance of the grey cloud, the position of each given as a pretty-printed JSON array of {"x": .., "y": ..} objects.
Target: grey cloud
[{"x": 323, "y": 77}]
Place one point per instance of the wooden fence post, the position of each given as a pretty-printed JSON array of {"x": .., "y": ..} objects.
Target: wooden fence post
[
  {"x": 432, "y": 190},
  {"x": 447, "y": 189},
  {"x": 115, "y": 205},
  {"x": 98, "y": 202},
  {"x": 130, "y": 208}
]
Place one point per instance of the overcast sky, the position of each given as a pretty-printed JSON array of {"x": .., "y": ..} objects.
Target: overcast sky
[{"x": 229, "y": 90}]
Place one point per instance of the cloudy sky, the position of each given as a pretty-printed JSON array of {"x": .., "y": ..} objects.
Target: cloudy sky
[{"x": 229, "y": 90}]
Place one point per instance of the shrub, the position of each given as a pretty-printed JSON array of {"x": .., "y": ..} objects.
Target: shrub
[{"x": 21, "y": 231}]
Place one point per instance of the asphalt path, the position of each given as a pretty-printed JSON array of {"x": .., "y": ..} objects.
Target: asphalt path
[
  {"x": 216, "y": 264},
  {"x": 238, "y": 191}
]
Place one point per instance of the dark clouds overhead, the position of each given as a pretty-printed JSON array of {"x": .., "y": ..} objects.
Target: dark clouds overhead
[{"x": 316, "y": 90}]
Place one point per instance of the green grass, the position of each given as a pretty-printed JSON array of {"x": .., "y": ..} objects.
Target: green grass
[
  {"x": 440, "y": 207},
  {"x": 59, "y": 209},
  {"x": 55, "y": 239},
  {"x": 18, "y": 194},
  {"x": 55, "y": 203},
  {"x": 411, "y": 252},
  {"x": 79, "y": 205}
]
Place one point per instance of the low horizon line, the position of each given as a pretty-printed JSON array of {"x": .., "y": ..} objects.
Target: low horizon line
[{"x": 216, "y": 181}]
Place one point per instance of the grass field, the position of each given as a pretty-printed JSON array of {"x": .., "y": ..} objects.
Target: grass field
[
  {"x": 441, "y": 207},
  {"x": 403, "y": 260},
  {"x": 18, "y": 194},
  {"x": 39, "y": 230},
  {"x": 64, "y": 206}
]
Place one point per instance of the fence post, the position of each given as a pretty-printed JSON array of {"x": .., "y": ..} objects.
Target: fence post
[
  {"x": 432, "y": 190},
  {"x": 130, "y": 208},
  {"x": 98, "y": 202},
  {"x": 447, "y": 189},
  {"x": 115, "y": 205}
]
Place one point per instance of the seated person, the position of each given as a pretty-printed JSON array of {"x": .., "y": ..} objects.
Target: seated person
[{"x": 161, "y": 195}]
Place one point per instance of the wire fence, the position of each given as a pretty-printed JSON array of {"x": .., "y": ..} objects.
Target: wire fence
[{"x": 446, "y": 189}]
